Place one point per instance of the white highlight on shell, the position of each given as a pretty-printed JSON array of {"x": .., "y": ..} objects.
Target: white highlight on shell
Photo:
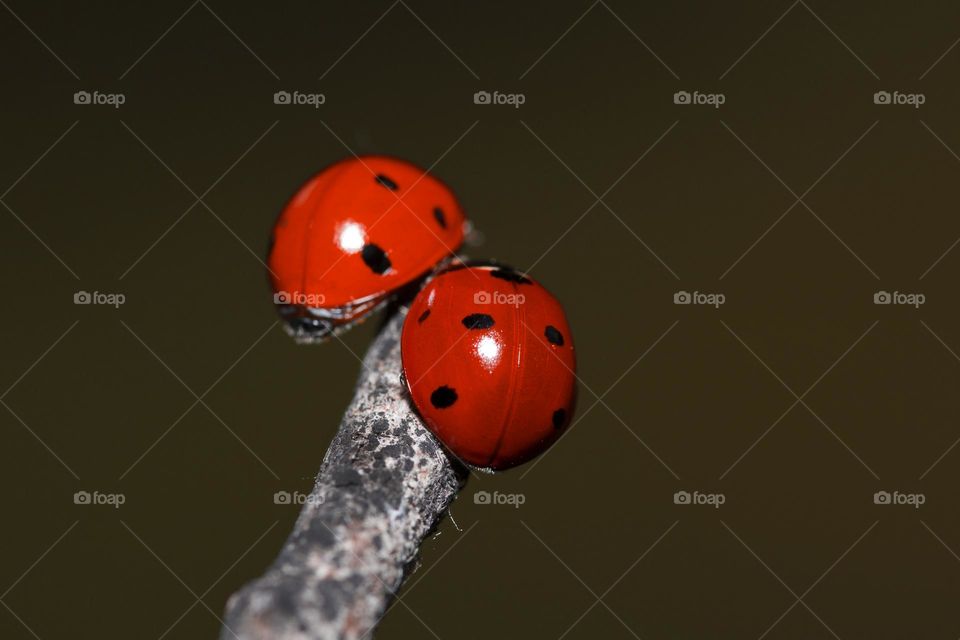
[
  {"x": 489, "y": 348},
  {"x": 351, "y": 236},
  {"x": 304, "y": 194}
]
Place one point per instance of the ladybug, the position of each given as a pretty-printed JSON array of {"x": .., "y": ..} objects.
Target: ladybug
[
  {"x": 489, "y": 362},
  {"x": 352, "y": 236}
]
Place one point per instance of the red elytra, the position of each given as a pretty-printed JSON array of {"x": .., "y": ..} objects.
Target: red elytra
[
  {"x": 489, "y": 362},
  {"x": 354, "y": 234}
]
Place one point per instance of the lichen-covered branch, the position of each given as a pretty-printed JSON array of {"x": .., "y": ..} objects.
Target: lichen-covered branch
[{"x": 384, "y": 483}]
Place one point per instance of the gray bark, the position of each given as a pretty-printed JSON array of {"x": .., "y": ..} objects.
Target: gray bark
[{"x": 383, "y": 485}]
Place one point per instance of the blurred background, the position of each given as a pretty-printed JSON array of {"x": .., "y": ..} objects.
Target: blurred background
[{"x": 775, "y": 459}]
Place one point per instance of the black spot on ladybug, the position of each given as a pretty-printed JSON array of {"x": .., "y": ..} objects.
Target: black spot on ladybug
[
  {"x": 508, "y": 274},
  {"x": 559, "y": 417},
  {"x": 440, "y": 217},
  {"x": 478, "y": 321},
  {"x": 423, "y": 316},
  {"x": 375, "y": 258},
  {"x": 554, "y": 336},
  {"x": 442, "y": 397},
  {"x": 387, "y": 182}
]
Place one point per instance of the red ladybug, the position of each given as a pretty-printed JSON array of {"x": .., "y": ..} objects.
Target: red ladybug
[
  {"x": 354, "y": 234},
  {"x": 489, "y": 361}
]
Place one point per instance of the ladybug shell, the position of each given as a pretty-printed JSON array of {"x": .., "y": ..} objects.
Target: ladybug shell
[
  {"x": 361, "y": 229},
  {"x": 489, "y": 361}
]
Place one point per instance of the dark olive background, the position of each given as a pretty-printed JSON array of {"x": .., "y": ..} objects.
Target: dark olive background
[{"x": 800, "y": 501}]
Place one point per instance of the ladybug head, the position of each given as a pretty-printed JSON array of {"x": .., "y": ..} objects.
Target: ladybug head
[
  {"x": 304, "y": 327},
  {"x": 499, "y": 269}
]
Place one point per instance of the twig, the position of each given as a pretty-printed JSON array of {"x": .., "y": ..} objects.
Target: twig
[{"x": 383, "y": 485}]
